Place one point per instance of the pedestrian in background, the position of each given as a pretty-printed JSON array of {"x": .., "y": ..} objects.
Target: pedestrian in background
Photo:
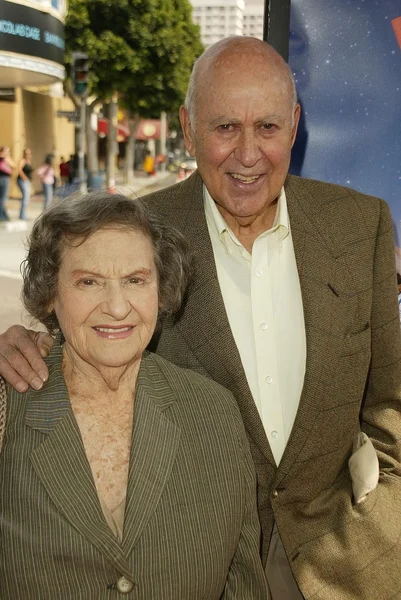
[
  {"x": 46, "y": 174},
  {"x": 71, "y": 168},
  {"x": 148, "y": 164},
  {"x": 160, "y": 159},
  {"x": 64, "y": 171},
  {"x": 24, "y": 178},
  {"x": 6, "y": 168}
]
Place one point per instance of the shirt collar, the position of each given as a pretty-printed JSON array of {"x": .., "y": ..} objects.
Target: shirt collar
[{"x": 215, "y": 219}]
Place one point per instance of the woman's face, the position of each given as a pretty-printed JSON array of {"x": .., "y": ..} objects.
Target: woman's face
[{"x": 107, "y": 299}]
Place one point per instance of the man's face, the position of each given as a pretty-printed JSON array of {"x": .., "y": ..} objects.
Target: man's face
[{"x": 244, "y": 130}]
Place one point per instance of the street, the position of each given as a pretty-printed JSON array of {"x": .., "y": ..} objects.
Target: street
[{"x": 13, "y": 237}]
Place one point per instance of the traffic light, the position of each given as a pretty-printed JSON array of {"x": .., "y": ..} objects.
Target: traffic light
[{"x": 80, "y": 71}]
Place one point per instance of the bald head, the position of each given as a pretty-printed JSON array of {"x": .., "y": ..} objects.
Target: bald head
[{"x": 237, "y": 55}]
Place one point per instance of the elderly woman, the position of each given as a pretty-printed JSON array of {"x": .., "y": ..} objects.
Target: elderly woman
[{"x": 125, "y": 474}]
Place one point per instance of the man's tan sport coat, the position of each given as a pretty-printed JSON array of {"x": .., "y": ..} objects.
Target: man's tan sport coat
[
  {"x": 344, "y": 248},
  {"x": 191, "y": 530}
]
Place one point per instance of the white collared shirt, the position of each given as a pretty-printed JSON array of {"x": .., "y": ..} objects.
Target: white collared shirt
[{"x": 262, "y": 297}]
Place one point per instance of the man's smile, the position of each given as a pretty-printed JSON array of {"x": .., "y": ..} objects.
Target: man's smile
[{"x": 245, "y": 178}]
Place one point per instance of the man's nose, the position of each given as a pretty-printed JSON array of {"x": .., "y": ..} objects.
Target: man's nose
[
  {"x": 115, "y": 302},
  {"x": 248, "y": 151}
]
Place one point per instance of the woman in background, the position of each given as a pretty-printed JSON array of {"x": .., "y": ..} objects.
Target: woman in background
[
  {"x": 6, "y": 168},
  {"x": 24, "y": 178},
  {"x": 47, "y": 174}
]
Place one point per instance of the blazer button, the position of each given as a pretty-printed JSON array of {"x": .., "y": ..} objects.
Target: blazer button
[
  {"x": 275, "y": 493},
  {"x": 124, "y": 585}
]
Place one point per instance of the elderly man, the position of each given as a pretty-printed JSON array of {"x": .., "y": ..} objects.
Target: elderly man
[{"x": 293, "y": 308}]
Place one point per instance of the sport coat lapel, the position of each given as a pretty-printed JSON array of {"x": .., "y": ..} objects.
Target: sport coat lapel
[
  {"x": 154, "y": 448},
  {"x": 204, "y": 321},
  {"x": 322, "y": 279},
  {"x": 60, "y": 463}
]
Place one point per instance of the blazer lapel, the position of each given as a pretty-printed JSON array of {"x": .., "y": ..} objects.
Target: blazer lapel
[
  {"x": 60, "y": 463},
  {"x": 154, "y": 447},
  {"x": 204, "y": 321},
  {"x": 320, "y": 275}
]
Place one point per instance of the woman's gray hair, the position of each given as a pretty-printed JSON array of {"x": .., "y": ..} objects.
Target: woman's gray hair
[{"x": 71, "y": 221}]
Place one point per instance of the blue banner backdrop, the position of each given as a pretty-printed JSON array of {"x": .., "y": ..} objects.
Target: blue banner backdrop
[{"x": 346, "y": 57}]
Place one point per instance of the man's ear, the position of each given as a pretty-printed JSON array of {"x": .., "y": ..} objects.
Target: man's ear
[
  {"x": 187, "y": 131},
  {"x": 297, "y": 114}
]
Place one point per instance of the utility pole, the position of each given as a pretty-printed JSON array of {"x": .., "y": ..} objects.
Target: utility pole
[
  {"x": 112, "y": 148},
  {"x": 163, "y": 139},
  {"x": 83, "y": 187},
  {"x": 80, "y": 69}
]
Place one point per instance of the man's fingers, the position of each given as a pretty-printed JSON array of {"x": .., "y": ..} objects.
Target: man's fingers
[
  {"x": 25, "y": 358},
  {"x": 20, "y": 361},
  {"x": 12, "y": 376},
  {"x": 43, "y": 341},
  {"x": 12, "y": 361},
  {"x": 44, "y": 351}
]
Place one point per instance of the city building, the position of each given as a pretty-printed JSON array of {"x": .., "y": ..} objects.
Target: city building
[
  {"x": 253, "y": 18},
  {"x": 218, "y": 18},
  {"x": 222, "y": 18},
  {"x": 31, "y": 76}
]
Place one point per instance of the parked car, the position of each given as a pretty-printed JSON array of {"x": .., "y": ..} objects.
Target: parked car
[{"x": 187, "y": 167}]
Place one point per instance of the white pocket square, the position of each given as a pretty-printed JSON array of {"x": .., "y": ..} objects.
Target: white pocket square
[{"x": 364, "y": 468}]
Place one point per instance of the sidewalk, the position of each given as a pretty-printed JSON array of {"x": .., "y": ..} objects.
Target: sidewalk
[{"x": 137, "y": 187}]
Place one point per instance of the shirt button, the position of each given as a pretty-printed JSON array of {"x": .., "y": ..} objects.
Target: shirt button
[
  {"x": 269, "y": 379},
  {"x": 274, "y": 434},
  {"x": 263, "y": 326},
  {"x": 124, "y": 585},
  {"x": 259, "y": 273},
  {"x": 275, "y": 493}
]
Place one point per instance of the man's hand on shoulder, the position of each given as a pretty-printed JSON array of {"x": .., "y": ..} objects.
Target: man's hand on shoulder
[{"x": 21, "y": 362}]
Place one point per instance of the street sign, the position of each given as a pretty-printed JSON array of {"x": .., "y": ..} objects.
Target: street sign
[{"x": 69, "y": 114}]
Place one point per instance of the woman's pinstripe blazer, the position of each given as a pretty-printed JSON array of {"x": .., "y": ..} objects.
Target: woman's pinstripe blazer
[{"x": 190, "y": 531}]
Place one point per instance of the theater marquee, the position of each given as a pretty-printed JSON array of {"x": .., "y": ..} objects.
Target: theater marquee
[{"x": 31, "y": 46}]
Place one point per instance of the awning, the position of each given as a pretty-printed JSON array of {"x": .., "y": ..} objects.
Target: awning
[
  {"x": 149, "y": 129},
  {"x": 103, "y": 129}
]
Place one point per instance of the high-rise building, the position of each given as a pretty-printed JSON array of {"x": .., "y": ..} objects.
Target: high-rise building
[
  {"x": 219, "y": 19},
  {"x": 253, "y": 18}
]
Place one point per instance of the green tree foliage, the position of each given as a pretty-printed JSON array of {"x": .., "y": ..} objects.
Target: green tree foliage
[{"x": 144, "y": 50}]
